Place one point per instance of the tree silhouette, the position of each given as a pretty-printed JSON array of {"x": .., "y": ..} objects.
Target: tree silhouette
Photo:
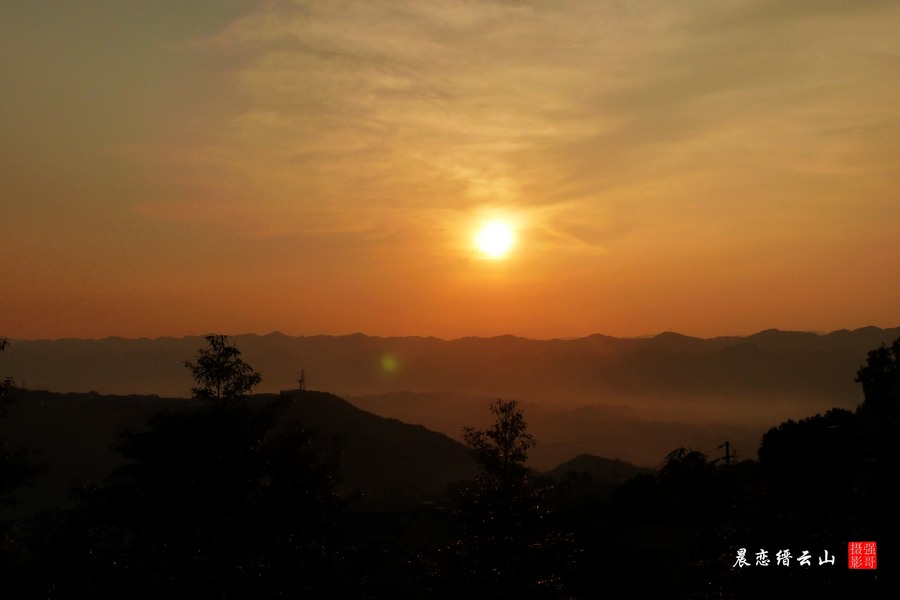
[
  {"x": 510, "y": 549},
  {"x": 220, "y": 373},
  {"x": 6, "y": 385},
  {"x": 227, "y": 499},
  {"x": 16, "y": 466},
  {"x": 880, "y": 380},
  {"x": 502, "y": 497},
  {"x": 222, "y": 500}
]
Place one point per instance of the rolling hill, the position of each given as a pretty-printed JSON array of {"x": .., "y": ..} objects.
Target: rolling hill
[{"x": 393, "y": 464}]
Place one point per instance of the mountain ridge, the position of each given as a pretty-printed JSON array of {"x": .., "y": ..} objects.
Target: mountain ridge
[
  {"x": 669, "y": 389},
  {"x": 581, "y": 368},
  {"x": 359, "y": 334}
]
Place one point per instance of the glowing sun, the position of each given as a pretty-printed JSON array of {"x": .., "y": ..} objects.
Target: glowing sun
[{"x": 495, "y": 239}]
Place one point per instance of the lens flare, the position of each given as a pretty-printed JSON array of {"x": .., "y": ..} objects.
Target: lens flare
[{"x": 389, "y": 363}]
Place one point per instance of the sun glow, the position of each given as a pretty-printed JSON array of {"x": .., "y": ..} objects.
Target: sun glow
[{"x": 495, "y": 239}]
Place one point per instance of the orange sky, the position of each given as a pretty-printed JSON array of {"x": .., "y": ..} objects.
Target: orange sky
[{"x": 710, "y": 167}]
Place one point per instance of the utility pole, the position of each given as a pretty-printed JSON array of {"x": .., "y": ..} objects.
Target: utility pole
[
  {"x": 729, "y": 454},
  {"x": 302, "y": 380}
]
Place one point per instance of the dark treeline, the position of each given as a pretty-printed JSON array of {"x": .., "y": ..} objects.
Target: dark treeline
[{"x": 232, "y": 497}]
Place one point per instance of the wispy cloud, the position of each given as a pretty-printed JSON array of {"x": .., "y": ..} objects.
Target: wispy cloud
[
  {"x": 649, "y": 145},
  {"x": 364, "y": 106}
]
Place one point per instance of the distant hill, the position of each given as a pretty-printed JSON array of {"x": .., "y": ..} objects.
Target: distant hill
[
  {"x": 391, "y": 462},
  {"x": 633, "y": 434},
  {"x": 594, "y": 369},
  {"x": 394, "y": 464},
  {"x": 602, "y": 470}
]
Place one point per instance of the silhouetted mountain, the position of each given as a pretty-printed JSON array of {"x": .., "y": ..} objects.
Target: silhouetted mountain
[
  {"x": 602, "y": 470},
  {"x": 392, "y": 463},
  {"x": 594, "y": 369}
]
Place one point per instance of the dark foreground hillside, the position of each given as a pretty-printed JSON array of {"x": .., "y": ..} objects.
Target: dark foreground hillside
[
  {"x": 245, "y": 500},
  {"x": 391, "y": 464}
]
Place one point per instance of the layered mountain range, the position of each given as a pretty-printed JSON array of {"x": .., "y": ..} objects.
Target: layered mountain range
[
  {"x": 560, "y": 371},
  {"x": 629, "y": 398}
]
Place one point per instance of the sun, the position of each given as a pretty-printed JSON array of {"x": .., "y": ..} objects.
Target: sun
[{"x": 495, "y": 239}]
